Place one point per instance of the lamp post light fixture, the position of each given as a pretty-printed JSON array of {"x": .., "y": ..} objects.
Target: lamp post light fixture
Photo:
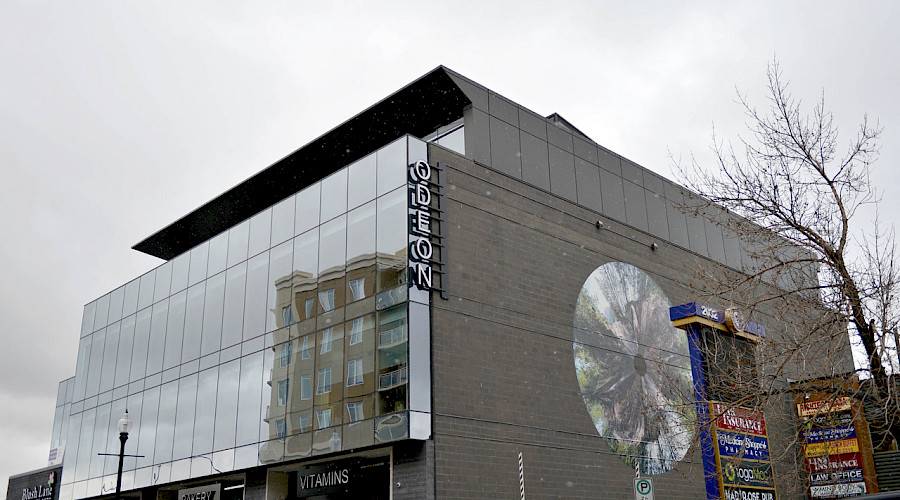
[{"x": 125, "y": 424}]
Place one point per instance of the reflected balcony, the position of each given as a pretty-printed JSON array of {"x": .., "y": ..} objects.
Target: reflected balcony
[
  {"x": 393, "y": 379},
  {"x": 392, "y": 337}
]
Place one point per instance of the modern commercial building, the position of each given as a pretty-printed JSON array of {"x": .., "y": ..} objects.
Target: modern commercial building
[{"x": 446, "y": 296}]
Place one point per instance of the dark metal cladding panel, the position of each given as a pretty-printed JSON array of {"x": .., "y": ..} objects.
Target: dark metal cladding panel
[{"x": 417, "y": 109}]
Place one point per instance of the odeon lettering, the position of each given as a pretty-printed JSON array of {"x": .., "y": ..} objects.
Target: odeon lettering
[{"x": 421, "y": 247}]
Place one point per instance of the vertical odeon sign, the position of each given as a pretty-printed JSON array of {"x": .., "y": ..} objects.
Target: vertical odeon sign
[{"x": 424, "y": 240}]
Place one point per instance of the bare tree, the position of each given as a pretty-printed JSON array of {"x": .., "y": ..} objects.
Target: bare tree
[{"x": 802, "y": 194}]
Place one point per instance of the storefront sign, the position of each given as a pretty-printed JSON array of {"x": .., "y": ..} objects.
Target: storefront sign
[
  {"x": 208, "y": 492},
  {"x": 739, "y": 419},
  {"x": 743, "y": 446},
  {"x": 847, "y": 461},
  {"x": 748, "y": 494},
  {"x": 831, "y": 419},
  {"x": 39, "y": 485},
  {"x": 829, "y": 434},
  {"x": 354, "y": 478},
  {"x": 836, "y": 476},
  {"x": 832, "y": 447},
  {"x": 422, "y": 253},
  {"x": 838, "y": 490},
  {"x": 741, "y": 473},
  {"x": 812, "y": 408}
]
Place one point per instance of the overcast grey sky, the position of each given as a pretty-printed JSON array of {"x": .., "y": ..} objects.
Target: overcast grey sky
[{"x": 118, "y": 117}]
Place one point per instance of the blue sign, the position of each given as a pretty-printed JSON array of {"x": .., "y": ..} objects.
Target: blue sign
[
  {"x": 829, "y": 434},
  {"x": 712, "y": 314},
  {"x": 744, "y": 446}
]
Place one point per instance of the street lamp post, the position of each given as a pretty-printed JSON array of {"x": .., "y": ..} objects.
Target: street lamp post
[{"x": 125, "y": 424}]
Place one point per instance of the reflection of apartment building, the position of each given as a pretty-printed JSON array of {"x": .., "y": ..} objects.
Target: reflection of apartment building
[
  {"x": 342, "y": 362},
  {"x": 289, "y": 346}
]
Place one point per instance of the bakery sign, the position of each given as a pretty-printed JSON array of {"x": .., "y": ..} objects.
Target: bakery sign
[{"x": 208, "y": 492}]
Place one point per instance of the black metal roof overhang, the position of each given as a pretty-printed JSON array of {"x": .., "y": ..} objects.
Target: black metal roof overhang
[{"x": 417, "y": 109}]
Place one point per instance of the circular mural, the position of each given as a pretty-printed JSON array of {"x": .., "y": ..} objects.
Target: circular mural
[{"x": 633, "y": 368}]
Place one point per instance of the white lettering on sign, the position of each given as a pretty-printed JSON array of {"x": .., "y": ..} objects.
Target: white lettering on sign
[
  {"x": 210, "y": 492},
  {"x": 325, "y": 479},
  {"x": 708, "y": 312},
  {"x": 200, "y": 495},
  {"x": 746, "y": 494},
  {"x": 37, "y": 492},
  {"x": 421, "y": 249}
]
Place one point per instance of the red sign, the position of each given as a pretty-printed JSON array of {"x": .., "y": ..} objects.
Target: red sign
[
  {"x": 813, "y": 408},
  {"x": 845, "y": 461},
  {"x": 739, "y": 419}
]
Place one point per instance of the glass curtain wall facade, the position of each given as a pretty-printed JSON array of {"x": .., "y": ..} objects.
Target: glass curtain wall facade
[{"x": 284, "y": 337}]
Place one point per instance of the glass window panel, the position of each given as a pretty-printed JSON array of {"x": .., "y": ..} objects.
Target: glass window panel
[
  {"x": 454, "y": 141},
  {"x": 213, "y": 310},
  {"x": 101, "y": 432},
  {"x": 87, "y": 320},
  {"x": 266, "y": 393},
  {"x": 116, "y": 298},
  {"x": 279, "y": 287},
  {"x": 391, "y": 166},
  {"x": 204, "y": 417},
  {"x": 110, "y": 351},
  {"x": 141, "y": 342},
  {"x": 416, "y": 150},
  {"x": 250, "y": 398},
  {"x": 165, "y": 427},
  {"x": 238, "y": 239},
  {"x": 218, "y": 254},
  {"x": 92, "y": 385},
  {"x": 334, "y": 195},
  {"x": 361, "y": 252},
  {"x": 180, "y": 268},
  {"x": 307, "y": 209},
  {"x": 323, "y": 381},
  {"x": 82, "y": 366},
  {"x": 332, "y": 246},
  {"x": 193, "y": 322},
  {"x": 361, "y": 233},
  {"x": 163, "y": 281},
  {"x": 73, "y": 439},
  {"x": 260, "y": 231},
  {"x": 283, "y": 220},
  {"x": 286, "y": 354},
  {"x": 117, "y": 409},
  {"x": 304, "y": 276},
  {"x": 157, "y": 344},
  {"x": 199, "y": 263},
  {"x": 132, "y": 288},
  {"x": 283, "y": 391},
  {"x": 361, "y": 182},
  {"x": 101, "y": 315},
  {"x": 147, "y": 438},
  {"x": 145, "y": 298},
  {"x": 226, "y": 405},
  {"x": 135, "y": 406},
  {"x": 123, "y": 359},
  {"x": 255, "y": 298},
  {"x": 175, "y": 330},
  {"x": 83, "y": 463},
  {"x": 392, "y": 239},
  {"x": 233, "y": 321},
  {"x": 184, "y": 417},
  {"x": 305, "y": 387}
]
